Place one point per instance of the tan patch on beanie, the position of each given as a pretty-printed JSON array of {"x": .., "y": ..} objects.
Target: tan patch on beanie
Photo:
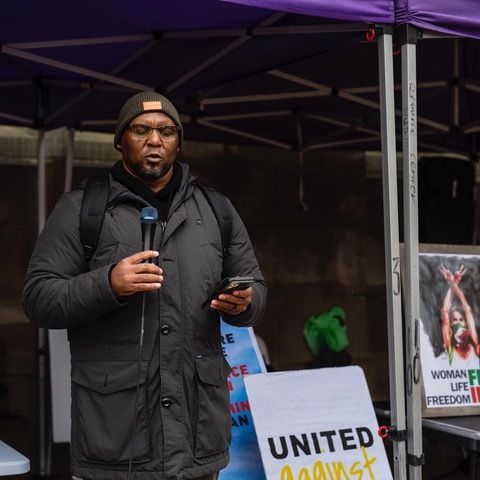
[{"x": 152, "y": 106}]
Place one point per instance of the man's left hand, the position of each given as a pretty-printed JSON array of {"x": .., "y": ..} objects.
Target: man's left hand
[{"x": 235, "y": 303}]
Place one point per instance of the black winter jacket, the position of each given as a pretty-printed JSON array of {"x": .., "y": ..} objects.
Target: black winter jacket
[{"x": 184, "y": 432}]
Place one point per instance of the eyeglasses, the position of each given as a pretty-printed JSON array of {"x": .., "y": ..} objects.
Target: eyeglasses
[{"x": 142, "y": 131}]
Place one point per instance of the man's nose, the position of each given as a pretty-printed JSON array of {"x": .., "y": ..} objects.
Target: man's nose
[{"x": 155, "y": 138}]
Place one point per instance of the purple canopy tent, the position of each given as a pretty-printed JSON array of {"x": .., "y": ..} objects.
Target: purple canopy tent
[
  {"x": 460, "y": 18},
  {"x": 76, "y": 59},
  {"x": 66, "y": 57}
]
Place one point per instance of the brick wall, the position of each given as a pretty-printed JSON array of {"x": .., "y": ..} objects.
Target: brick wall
[{"x": 330, "y": 255}]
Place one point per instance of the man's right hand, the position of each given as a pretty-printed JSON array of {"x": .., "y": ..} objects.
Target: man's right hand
[{"x": 131, "y": 275}]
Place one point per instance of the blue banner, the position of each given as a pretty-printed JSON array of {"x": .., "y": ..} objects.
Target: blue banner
[{"x": 241, "y": 351}]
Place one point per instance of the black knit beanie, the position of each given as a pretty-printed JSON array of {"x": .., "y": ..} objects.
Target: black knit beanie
[{"x": 145, "y": 102}]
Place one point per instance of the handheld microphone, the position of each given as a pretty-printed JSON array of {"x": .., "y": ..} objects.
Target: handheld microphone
[{"x": 148, "y": 221}]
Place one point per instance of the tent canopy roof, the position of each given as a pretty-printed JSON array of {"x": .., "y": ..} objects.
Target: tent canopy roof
[{"x": 238, "y": 73}]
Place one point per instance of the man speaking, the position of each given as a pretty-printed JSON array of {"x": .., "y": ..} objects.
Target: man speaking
[{"x": 149, "y": 393}]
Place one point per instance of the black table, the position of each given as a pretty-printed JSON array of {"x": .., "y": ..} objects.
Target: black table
[{"x": 461, "y": 431}]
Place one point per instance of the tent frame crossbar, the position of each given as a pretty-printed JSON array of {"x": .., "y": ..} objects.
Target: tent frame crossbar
[
  {"x": 241, "y": 133},
  {"x": 220, "y": 54},
  {"x": 261, "y": 30},
  {"x": 72, "y": 68},
  {"x": 18, "y": 49},
  {"x": 114, "y": 72},
  {"x": 345, "y": 94},
  {"x": 17, "y": 118}
]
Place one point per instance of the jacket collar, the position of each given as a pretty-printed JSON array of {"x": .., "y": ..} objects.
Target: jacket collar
[{"x": 119, "y": 192}]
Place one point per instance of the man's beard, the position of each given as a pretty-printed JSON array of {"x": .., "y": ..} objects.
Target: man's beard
[{"x": 150, "y": 173}]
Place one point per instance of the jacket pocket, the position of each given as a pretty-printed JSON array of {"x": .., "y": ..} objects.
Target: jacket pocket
[
  {"x": 103, "y": 411},
  {"x": 213, "y": 420}
]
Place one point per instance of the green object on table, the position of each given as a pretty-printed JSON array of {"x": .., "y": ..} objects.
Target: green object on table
[{"x": 326, "y": 330}]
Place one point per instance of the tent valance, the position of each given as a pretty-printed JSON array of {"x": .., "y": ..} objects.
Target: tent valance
[
  {"x": 374, "y": 11},
  {"x": 461, "y": 17}
]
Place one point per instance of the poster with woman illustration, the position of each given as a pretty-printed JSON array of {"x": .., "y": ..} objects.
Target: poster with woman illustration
[{"x": 449, "y": 333}]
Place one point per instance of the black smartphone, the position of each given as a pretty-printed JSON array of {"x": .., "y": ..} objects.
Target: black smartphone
[{"x": 229, "y": 285}]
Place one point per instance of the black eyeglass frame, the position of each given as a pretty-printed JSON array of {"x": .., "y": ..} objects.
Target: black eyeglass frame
[{"x": 149, "y": 130}]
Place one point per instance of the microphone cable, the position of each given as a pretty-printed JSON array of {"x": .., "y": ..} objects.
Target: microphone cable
[
  {"x": 148, "y": 220},
  {"x": 137, "y": 392}
]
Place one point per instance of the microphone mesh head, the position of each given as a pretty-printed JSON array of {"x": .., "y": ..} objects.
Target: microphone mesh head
[{"x": 149, "y": 215}]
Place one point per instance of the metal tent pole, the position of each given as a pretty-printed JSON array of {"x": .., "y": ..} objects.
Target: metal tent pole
[
  {"x": 44, "y": 427},
  {"x": 392, "y": 252},
  {"x": 44, "y": 450},
  {"x": 301, "y": 191},
  {"x": 415, "y": 456},
  {"x": 456, "y": 86},
  {"x": 69, "y": 159}
]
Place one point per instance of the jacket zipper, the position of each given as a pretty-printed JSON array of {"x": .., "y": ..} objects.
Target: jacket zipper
[{"x": 163, "y": 226}]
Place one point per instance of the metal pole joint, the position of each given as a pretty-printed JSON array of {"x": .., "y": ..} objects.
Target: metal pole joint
[
  {"x": 42, "y": 104},
  {"x": 38, "y": 124},
  {"x": 407, "y": 34},
  {"x": 193, "y": 99},
  {"x": 383, "y": 28},
  {"x": 296, "y": 147},
  {"x": 392, "y": 433},
  {"x": 416, "y": 461},
  {"x": 455, "y": 82}
]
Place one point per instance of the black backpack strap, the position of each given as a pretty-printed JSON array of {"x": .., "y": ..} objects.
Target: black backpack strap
[
  {"x": 92, "y": 213},
  {"x": 222, "y": 212}
]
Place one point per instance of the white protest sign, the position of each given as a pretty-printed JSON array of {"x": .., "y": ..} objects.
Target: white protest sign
[
  {"x": 317, "y": 425},
  {"x": 60, "y": 384}
]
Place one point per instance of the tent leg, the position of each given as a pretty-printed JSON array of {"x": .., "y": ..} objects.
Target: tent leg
[
  {"x": 69, "y": 159},
  {"x": 392, "y": 250},
  {"x": 44, "y": 451},
  {"x": 456, "y": 87},
  {"x": 411, "y": 284},
  {"x": 42, "y": 206}
]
